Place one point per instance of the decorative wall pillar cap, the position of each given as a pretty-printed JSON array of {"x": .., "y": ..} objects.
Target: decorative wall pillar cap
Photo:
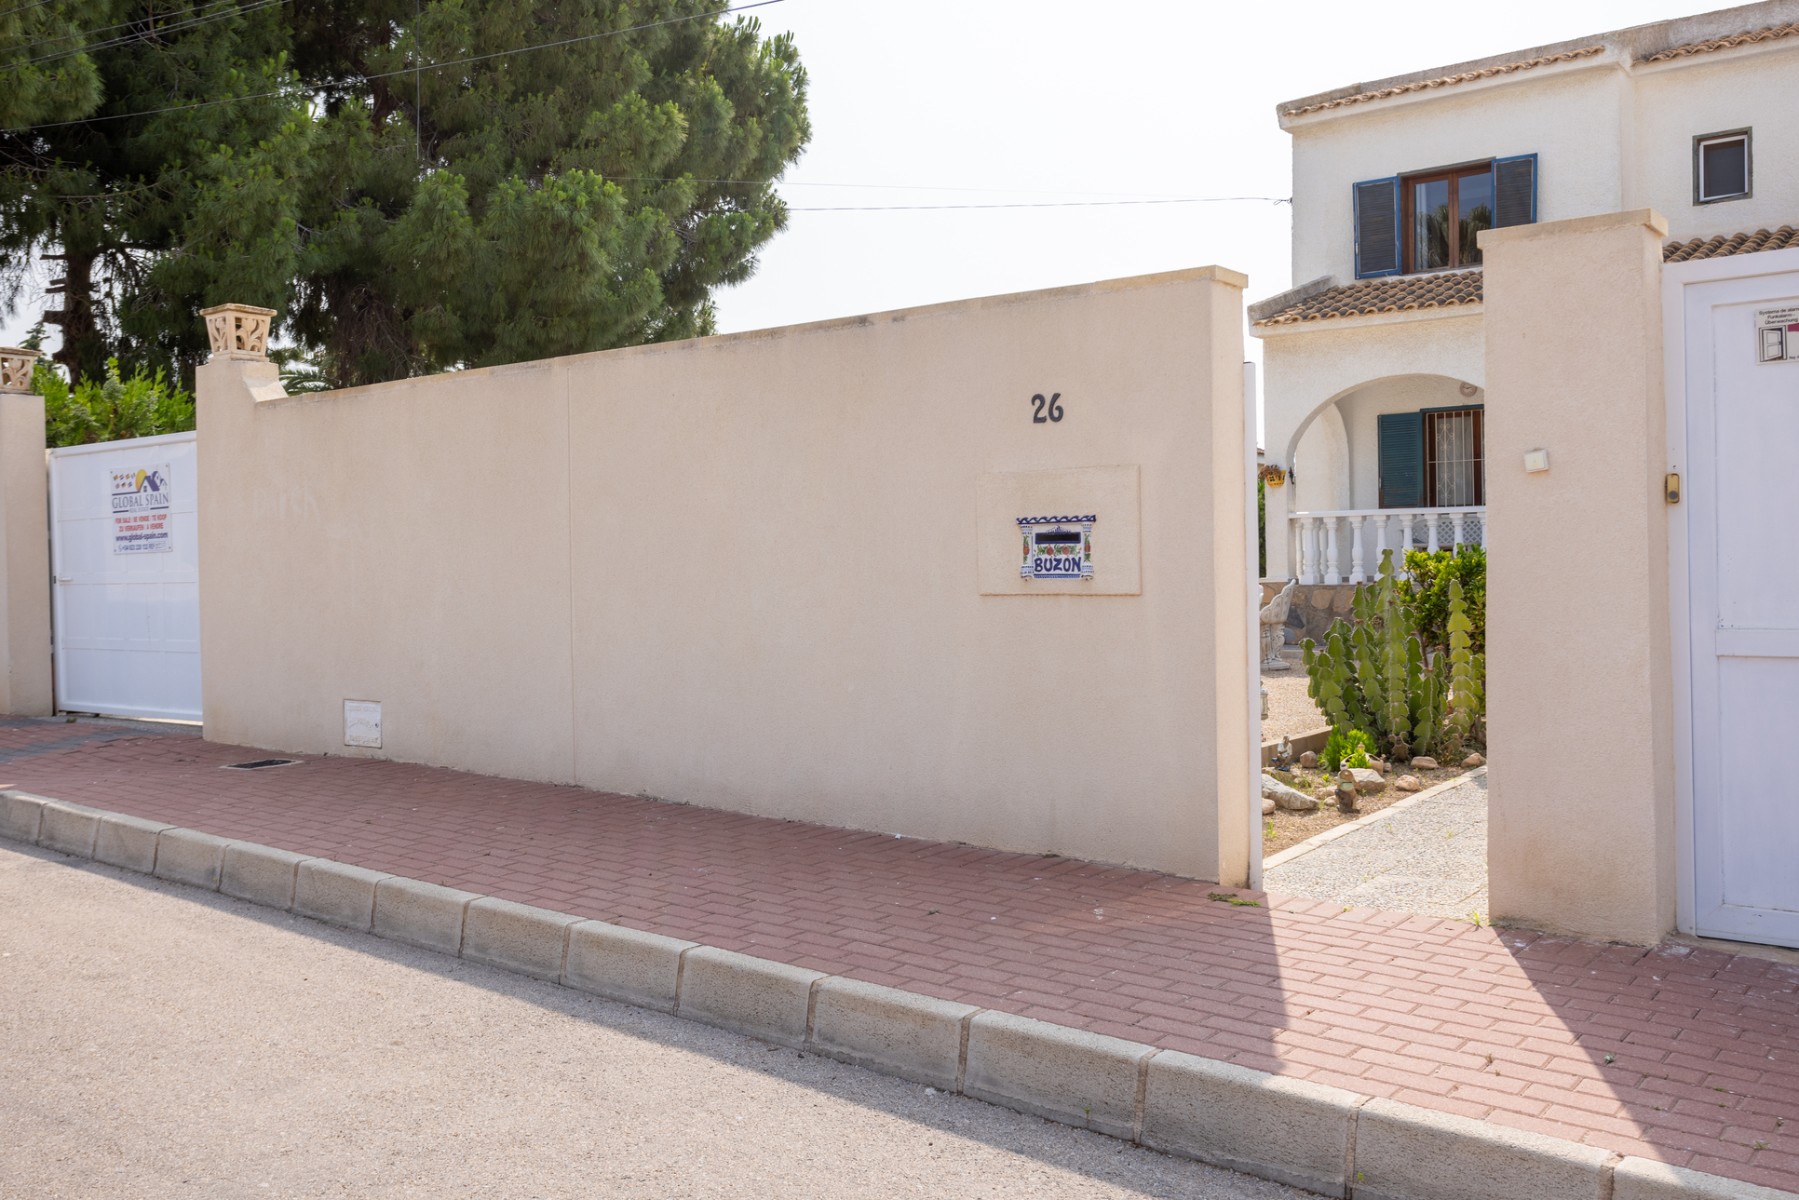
[
  {"x": 238, "y": 331},
  {"x": 15, "y": 368}
]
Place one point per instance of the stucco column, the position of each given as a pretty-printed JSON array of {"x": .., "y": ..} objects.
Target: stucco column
[
  {"x": 24, "y": 542},
  {"x": 227, "y": 387},
  {"x": 1579, "y": 678}
]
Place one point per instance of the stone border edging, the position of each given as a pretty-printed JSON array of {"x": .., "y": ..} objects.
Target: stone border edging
[
  {"x": 1313, "y": 740},
  {"x": 1301, "y": 849},
  {"x": 1289, "y": 1130}
]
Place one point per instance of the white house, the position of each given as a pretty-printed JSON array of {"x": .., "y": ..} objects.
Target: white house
[{"x": 1374, "y": 391}]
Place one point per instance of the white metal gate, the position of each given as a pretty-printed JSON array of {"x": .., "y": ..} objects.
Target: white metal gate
[
  {"x": 125, "y": 556},
  {"x": 1734, "y": 408}
]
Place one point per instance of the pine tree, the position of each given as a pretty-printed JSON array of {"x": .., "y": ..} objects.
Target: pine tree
[
  {"x": 151, "y": 216},
  {"x": 454, "y": 184}
]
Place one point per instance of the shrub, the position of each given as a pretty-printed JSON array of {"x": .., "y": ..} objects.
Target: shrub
[
  {"x": 1346, "y": 748},
  {"x": 1427, "y": 589},
  {"x": 143, "y": 405}
]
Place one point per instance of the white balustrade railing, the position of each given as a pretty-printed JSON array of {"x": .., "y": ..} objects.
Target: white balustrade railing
[{"x": 1346, "y": 546}]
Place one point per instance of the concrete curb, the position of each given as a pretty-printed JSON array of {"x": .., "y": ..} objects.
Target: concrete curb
[
  {"x": 1332, "y": 1141},
  {"x": 128, "y": 842},
  {"x": 1083, "y": 1079},
  {"x": 1301, "y": 849},
  {"x": 1402, "y": 1151},
  {"x": 1287, "y": 1130}
]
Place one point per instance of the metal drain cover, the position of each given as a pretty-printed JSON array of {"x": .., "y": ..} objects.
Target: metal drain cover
[{"x": 260, "y": 763}]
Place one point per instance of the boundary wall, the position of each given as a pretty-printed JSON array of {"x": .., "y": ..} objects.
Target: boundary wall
[
  {"x": 773, "y": 572},
  {"x": 25, "y": 680},
  {"x": 1580, "y": 699}
]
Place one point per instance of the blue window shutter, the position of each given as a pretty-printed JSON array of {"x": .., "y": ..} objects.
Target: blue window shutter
[
  {"x": 1377, "y": 228},
  {"x": 1401, "y": 438},
  {"x": 1515, "y": 191}
]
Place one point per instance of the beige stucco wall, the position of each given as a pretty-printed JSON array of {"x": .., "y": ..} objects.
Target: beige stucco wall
[
  {"x": 1579, "y": 699},
  {"x": 25, "y": 555},
  {"x": 744, "y": 571}
]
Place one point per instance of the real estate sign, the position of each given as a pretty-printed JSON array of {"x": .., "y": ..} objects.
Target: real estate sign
[{"x": 140, "y": 510}]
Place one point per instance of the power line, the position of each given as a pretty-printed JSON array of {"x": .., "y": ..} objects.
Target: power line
[
  {"x": 458, "y": 62},
  {"x": 22, "y": 7},
  {"x": 229, "y": 9},
  {"x": 77, "y": 34},
  {"x": 1034, "y": 204},
  {"x": 930, "y": 187}
]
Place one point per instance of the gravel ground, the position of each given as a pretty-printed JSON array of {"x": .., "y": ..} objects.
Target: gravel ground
[
  {"x": 1282, "y": 829},
  {"x": 1290, "y": 710},
  {"x": 161, "y": 1041},
  {"x": 1428, "y": 858}
]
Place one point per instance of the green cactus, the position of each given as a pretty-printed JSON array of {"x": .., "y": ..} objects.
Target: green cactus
[
  {"x": 1466, "y": 698},
  {"x": 1375, "y": 675}
]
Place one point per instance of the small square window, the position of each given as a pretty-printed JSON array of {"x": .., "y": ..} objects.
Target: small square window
[{"x": 1721, "y": 168}]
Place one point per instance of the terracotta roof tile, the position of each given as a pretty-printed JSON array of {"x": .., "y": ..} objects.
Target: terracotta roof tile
[
  {"x": 1451, "y": 289},
  {"x": 1398, "y": 293},
  {"x": 1724, "y": 246},
  {"x": 1425, "y": 85},
  {"x": 1771, "y": 33}
]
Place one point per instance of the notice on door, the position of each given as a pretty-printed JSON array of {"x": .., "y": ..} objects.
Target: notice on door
[
  {"x": 140, "y": 511},
  {"x": 1777, "y": 335}
]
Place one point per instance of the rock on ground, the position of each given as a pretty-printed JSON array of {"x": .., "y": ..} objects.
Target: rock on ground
[{"x": 1289, "y": 799}]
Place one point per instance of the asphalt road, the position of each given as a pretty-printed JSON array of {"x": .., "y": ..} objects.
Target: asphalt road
[{"x": 159, "y": 1041}]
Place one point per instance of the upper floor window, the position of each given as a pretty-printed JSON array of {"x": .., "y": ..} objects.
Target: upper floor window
[
  {"x": 1431, "y": 220},
  {"x": 1444, "y": 214},
  {"x": 1721, "y": 167}
]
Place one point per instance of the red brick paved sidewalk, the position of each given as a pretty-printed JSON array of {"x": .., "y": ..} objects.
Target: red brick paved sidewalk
[{"x": 1686, "y": 1055}]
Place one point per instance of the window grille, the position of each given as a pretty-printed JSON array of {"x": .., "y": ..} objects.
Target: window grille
[{"x": 1454, "y": 468}]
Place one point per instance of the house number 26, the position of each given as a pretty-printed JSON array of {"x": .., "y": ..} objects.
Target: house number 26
[{"x": 1046, "y": 410}]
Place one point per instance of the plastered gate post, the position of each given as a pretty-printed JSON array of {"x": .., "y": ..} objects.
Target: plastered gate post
[
  {"x": 973, "y": 572},
  {"x": 24, "y": 542},
  {"x": 1579, "y": 685}
]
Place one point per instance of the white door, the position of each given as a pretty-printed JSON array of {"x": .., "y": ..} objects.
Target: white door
[
  {"x": 125, "y": 556},
  {"x": 1742, "y": 585}
]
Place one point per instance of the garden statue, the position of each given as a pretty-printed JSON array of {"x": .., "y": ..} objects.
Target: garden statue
[{"x": 1274, "y": 629}]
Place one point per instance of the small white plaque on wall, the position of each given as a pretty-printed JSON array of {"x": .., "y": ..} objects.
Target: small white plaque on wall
[
  {"x": 362, "y": 723},
  {"x": 1777, "y": 335},
  {"x": 1067, "y": 509}
]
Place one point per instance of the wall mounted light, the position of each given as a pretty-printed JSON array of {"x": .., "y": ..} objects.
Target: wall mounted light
[{"x": 1536, "y": 461}]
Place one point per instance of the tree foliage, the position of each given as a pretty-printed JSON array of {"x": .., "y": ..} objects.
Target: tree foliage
[
  {"x": 149, "y": 217},
  {"x": 474, "y": 184}
]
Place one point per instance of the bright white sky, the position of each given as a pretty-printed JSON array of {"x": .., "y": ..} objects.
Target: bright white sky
[
  {"x": 1046, "y": 100},
  {"x": 1032, "y": 101}
]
